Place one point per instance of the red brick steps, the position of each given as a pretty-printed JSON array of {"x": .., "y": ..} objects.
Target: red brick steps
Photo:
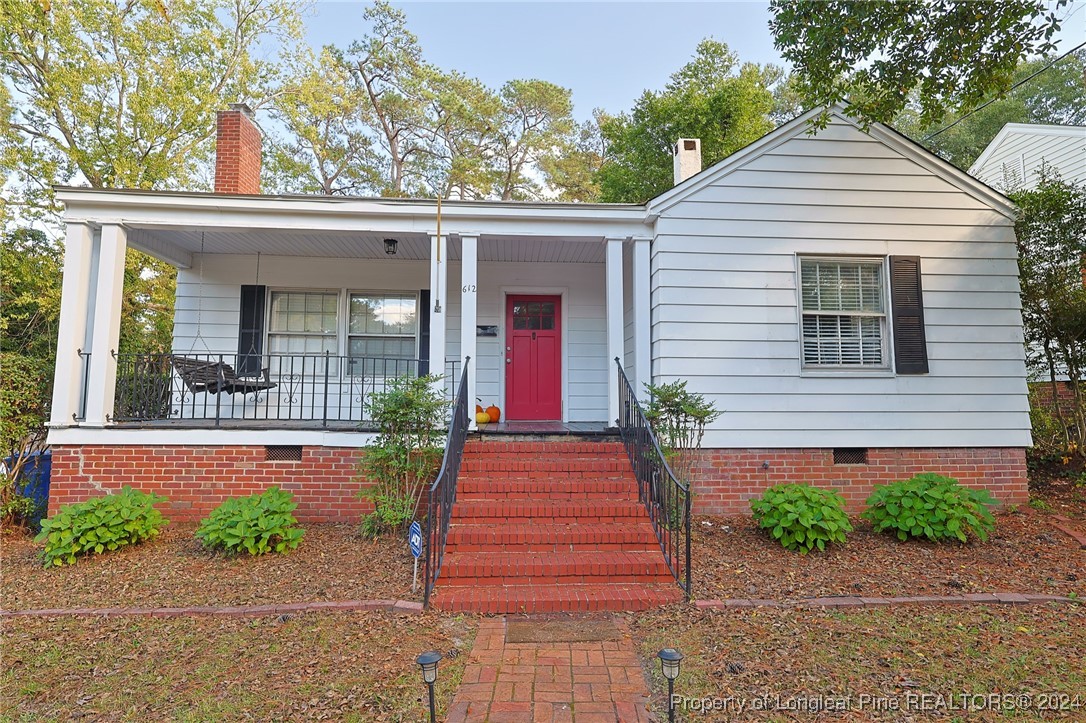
[
  {"x": 551, "y": 487},
  {"x": 494, "y": 600},
  {"x": 502, "y": 568},
  {"x": 534, "y": 537},
  {"x": 550, "y": 526}
]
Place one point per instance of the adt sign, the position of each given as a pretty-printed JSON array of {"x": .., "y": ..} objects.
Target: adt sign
[{"x": 414, "y": 539}]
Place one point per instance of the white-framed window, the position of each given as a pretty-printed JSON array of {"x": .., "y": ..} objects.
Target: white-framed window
[
  {"x": 302, "y": 326},
  {"x": 382, "y": 332},
  {"x": 843, "y": 309}
]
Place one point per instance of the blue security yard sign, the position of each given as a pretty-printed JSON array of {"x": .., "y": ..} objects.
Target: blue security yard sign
[{"x": 414, "y": 541}]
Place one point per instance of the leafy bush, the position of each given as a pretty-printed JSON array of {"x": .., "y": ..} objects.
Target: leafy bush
[
  {"x": 802, "y": 517},
  {"x": 101, "y": 524},
  {"x": 404, "y": 458},
  {"x": 678, "y": 418},
  {"x": 15, "y": 508},
  {"x": 258, "y": 524},
  {"x": 931, "y": 506}
]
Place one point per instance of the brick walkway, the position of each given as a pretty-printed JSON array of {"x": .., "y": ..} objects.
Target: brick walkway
[{"x": 583, "y": 682}]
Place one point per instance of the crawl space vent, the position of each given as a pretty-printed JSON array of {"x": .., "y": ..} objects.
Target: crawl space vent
[
  {"x": 850, "y": 455},
  {"x": 283, "y": 453}
]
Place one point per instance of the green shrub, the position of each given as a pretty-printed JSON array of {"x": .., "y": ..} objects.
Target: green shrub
[
  {"x": 256, "y": 524},
  {"x": 802, "y": 517},
  {"x": 101, "y": 524},
  {"x": 402, "y": 462},
  {"x": 931, "y": 506}
]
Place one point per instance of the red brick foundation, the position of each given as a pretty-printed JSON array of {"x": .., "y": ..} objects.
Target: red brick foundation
[
  {"x": 725, "y": 480},
  {"x": 198, "y": 479}
]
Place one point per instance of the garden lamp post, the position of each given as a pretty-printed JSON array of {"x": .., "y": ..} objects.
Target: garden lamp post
[
  {"x": 670, "y": 661},
  {"x": 428, "y": 663}
]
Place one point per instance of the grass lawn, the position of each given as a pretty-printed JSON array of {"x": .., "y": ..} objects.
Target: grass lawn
[
  {"x": 328, "y": 666},
  {"x": 904, "y": 657}
]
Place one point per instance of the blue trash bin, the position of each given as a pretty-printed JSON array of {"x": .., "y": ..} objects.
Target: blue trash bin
[{"x": 34, "y": 483}]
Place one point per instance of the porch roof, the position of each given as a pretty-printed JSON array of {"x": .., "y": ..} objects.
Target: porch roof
[{"x": 174, "y": 225}]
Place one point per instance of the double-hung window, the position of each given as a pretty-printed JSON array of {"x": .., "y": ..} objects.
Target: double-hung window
[
  {"x": 844, "y": 313},
  {"x": 381, "y": 333},
  {"x": 302, "y": 326}
]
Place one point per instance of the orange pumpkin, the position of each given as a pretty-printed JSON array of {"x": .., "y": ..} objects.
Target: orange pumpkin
[
  {"x": 494, "y": 413},
  {"x": 478, "y": 408}
]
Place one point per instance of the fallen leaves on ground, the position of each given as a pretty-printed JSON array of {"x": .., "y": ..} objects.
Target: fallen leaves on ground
[
  {"x": 732, "y": 558},
  {"x": 314, "y": 666},
  {"x": 897, "y": 656},
  {"x": 174, "y": 570}
]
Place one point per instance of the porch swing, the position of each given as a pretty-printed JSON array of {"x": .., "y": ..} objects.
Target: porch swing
[{"x": 215, "y": 377}]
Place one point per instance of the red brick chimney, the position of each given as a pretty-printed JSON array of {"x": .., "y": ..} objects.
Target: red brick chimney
[{"x": 237, "y": 151}]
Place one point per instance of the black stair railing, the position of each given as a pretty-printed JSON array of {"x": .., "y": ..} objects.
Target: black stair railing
[
  {"x": 666, "y": 499},
  {"x": 442, "y": 495}
]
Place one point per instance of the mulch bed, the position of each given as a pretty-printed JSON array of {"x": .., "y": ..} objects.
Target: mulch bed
[
  {"x": 332, "y": 563},
  {"x": 732, "y": 558},
  {"x": 1062, "y": 487},
  {"x": 315, "y": 666}
]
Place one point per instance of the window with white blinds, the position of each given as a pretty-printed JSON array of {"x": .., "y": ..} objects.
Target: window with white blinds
[{"x": 844, "y": 312}]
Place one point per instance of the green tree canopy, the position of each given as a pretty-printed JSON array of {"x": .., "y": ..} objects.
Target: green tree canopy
[
  {"x": 874, "y": 54},
  {"x": 1056, "y": 95},
  {"x": 713, "y": 97}
]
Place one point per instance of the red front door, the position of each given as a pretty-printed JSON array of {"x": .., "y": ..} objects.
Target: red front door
[{"x": 533, "y": 357}]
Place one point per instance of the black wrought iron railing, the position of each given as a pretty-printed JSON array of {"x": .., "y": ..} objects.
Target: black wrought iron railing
[
  {"x": 191, "y": 389},
  {"x": 666, "y": 498},
  {"x": 442, "y": 495}
]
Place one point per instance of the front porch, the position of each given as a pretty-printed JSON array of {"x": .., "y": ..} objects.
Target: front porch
[{"x": 287, "y": 318}]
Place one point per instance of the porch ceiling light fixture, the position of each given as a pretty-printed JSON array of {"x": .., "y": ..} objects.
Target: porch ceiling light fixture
[{"x": 390, "y": 246}]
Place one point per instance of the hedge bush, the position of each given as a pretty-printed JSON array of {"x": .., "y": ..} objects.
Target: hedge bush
[
  {"x": 933, "y": 507},
  {"x": 802, "y": 517},
  {"x": 257, "y": 524},
  {"x": 101, "y": 524}
]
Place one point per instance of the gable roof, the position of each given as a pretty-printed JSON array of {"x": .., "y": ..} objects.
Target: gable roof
[
  {"x": 1025, "y": 129},
  {"x": 799, "y": 126}
]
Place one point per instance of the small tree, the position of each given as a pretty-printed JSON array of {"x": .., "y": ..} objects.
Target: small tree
[
  {"x": 404, "y": 458},
  {"x": 679, "y": 417},
  {"x": 1051, "y": 257}
]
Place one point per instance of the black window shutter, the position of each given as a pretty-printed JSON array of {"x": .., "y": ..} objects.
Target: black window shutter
[
  {"x": 907, "y": 302},
  {"x": 424, "y": 332},
  {"x": 251, "y": 330}
]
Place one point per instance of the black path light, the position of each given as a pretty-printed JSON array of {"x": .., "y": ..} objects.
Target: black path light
[
  {"x": 428, "y": 662},
  {"x": 670, "y": 662}
]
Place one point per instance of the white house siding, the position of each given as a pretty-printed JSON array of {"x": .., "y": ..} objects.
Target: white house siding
[
  {"x": 725, "y": 304},
  {"x": 584, "y": 327},
  {"x": 1015, "y": 157},
  {"x": 584, "y": 331}
]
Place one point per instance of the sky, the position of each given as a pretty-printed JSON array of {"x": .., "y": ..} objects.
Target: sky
[{"x": 607, "y": 53}]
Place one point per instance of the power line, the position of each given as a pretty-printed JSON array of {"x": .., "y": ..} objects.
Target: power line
[{"x": 1013, "y": 87}]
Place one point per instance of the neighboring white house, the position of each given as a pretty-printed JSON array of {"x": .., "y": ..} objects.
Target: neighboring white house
[
  {"x": 848, "y": 299},
  {"x": 1014, "y": 157}
]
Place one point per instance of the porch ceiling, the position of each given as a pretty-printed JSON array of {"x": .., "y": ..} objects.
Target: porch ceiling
[{"x": 176, "y": 245}]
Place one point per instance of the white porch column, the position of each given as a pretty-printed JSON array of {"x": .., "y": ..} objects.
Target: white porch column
[
  {"x": 74, "y": 313},
  {"x": 642, "y": 317},
  {"x": 439, "y": 276},
  {"x": 107, "y": 325},
  {"x": 469, "y": 305},
  {"x": 615, "y": 331}
]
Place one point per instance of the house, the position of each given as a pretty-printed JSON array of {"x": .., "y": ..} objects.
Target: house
[
  {"x": 1014, "y": 157},
  {"x": 849, "y": 300}
]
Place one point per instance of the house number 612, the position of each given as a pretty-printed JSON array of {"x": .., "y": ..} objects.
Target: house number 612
[{"x": 468, "y": 288}]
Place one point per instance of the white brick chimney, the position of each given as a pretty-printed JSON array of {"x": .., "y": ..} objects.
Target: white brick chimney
[{"x": 687, "y": 158}]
